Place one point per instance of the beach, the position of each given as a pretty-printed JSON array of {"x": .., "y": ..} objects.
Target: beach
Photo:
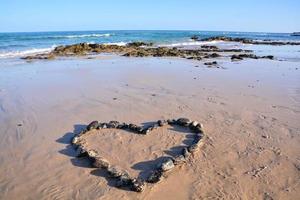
[{"x": 250, "y": 110}]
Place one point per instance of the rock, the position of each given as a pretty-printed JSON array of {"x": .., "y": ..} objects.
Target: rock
[
  {"x": 194, "y": 37},
  {"x": 81, "y": 151},
  {"x": 211, "y": 63},
  {"x": 140, "y": 130},
  {"x": 236, "y": 57},
  {"x": 76, "y": 140},
  {"x": 166, "y": 165},
  {"x": 138, "y": 185},
  {"x": 186, "y": 154},
  {"x": 138, "y": 44},
  {"x": 155, "y": 176},
  {"x": 147, "y": 130},
  {"x": 180, "y": 159},
  {"x": 103, "y": 126},
  {"x": 115, "y": 172},
  {"x": 124, "y": 180},
  {"x": 122, "y": 126},
  {"x": 92, "y": 153},
  {"x": 132, "y": 127},
  {"x": 198, "y": 128},
  {"x": 100, "y": 162},
  {"x": 183, "y": 122},
  {"x": 161, "y": 122},
  {"x": 92, "y": 125},
  {"x": 193, "y": 148},
  {"x": 209, "y": 47},
  {"x": 113, "y": 124},
  {"x": 171, "y": 121},
  {"x": 193, "y": 124}
]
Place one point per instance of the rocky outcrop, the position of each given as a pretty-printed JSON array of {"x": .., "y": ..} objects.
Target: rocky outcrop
[
  {"x": 248, "y": 41},
  {"x": 252, "y": 56},
  {"x": 135, "y": 49}
]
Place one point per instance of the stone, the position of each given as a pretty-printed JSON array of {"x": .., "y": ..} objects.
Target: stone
[
  {"x": 183, "y": 122},
  {"x": 100, "y": 162},
  {"x": 211, "y": 63},
  {"x": 138, "y": 185},
  {"x": 76, "y": 140},
  {"x": 123, "y": 126},
  {"x": 81, "y": 151},
  {"x": 186, "y": 153},
  {"x": 193, "y": 124},
  {"x": 92, "y": 153},
  {"x": 92, "y": 125},
  {"x": 161, "y": 122},
  {"x": 195, "y": 37},
  {"x": 139, "y": 129},
  {"x": 171, "y": 121},
  {"x": 198, "y": 128},
  {"x": 124, "y": 180},
  {"x": 146, "y": 131},
  {"x": 155, "y": 176},
  {"x": 166, "y": 165},
  {"x": 132, "y": 127},
  {"x": 113, "y": 124},
  {"x": 115, "y": 172},
  {"x": 193, "y": 148},
  {"x": 180, "y": 159},
  {"x": 103, "y": 126}
]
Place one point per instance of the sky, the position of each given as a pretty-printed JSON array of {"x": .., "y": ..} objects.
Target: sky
[{"x": 213, "y": 15}]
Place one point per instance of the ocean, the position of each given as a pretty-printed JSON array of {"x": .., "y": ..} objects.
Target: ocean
[{"x": 20, "y": 44}]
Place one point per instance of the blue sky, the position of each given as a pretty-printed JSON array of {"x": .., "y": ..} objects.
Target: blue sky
[{"x": 224, "y": 15}]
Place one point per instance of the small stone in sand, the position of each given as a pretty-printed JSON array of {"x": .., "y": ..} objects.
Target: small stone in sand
[
  {"x": 138, "y": 185},
  {"x": 100, "y": 162},
  {"x": 179, "y": 160},
  {"x": 186, "y": 153},
  {"x": 115, "y": 172},
  {"x": 92, "y": 125},
  {"x": 155, "y": 177},
  {"x": 183, "y": 121},
  {"x": 166, "y": 165}
]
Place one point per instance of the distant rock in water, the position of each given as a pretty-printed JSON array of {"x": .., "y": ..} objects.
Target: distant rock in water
[
  {"x": 295, "y": 34},
  {"x": 195, "y": 37},
  {"x": 248, "y": 41}
]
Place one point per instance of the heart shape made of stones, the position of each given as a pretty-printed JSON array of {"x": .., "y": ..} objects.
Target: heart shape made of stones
[{"x": 122, "y": 177}]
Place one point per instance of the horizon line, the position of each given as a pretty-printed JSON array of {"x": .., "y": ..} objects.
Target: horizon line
[{"x": 142, "y": 30}]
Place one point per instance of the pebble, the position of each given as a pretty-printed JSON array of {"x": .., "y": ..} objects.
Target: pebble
[
  {"x": 138, "y": 185},
  {"x": 183, "y": 121},
  {"x": 100, "y": 162},
  {"x": 178, "y": 160},
  {"x": 81, "y": 151},
  {"x": 113, "y": 124},
  {"x": 92, "y": 153},
  {"x": 92, "y": 125},
  {"x": 161, "y": 122},
  {"x": 166, "y": 165},
  {"x": 186, "y": 153},
  {"x": 115, "y": 172},
  {"x": 193, "y": 148},
  {"x": 155, "y": 177}
]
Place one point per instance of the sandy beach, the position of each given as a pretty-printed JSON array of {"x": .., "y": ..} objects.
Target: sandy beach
[{"x": 250, "y": 110}]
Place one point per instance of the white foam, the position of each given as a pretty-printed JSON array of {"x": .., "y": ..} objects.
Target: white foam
[
  {"x": 117, "y": 43},
  {"x": 81, "y": 36},
  {"x": 191, "y": 43},
  {"x": 12, "y": 54}
]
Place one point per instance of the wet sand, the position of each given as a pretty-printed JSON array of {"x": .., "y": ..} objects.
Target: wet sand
[{"x": 250, "y": 111}]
